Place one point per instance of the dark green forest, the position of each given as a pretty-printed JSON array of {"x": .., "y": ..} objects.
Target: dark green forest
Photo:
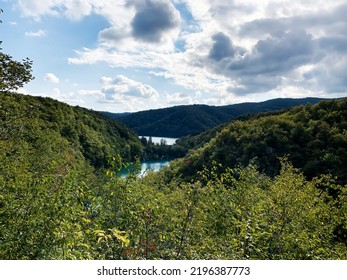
[
  {"x": 188, "y": 120},
  {"x": 268, "y": 186}
]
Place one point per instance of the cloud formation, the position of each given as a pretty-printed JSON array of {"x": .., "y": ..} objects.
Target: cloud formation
[
  {"x": 229, "y": 51},
  {"x": 222, "y": 47},
  {"x": 179, "y": 98},
  {"x": 153, "y": 19},
  {"x": 72, "y": 9},
  {"x": 36, "y": 34},
  {"x": 121, "y": 88},
  {"x": 279, "y": 55},
  {"x": 50, "y": 77}
]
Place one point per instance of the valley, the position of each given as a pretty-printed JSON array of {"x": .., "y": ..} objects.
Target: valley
[
  {"x": 248, "y": 181},
  {"x": 265, "y": 186}
]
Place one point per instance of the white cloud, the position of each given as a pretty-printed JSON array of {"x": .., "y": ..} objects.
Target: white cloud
[
  {"x": 179, "y": 98},
  {"x": 50, "y": 77},
  {"x": 122, "y": 88},
  {"x": 72, "y": 9},
  {"x": 67, "y": 97},
  {"x": 76, "y": 9},
  {"x": 38, "y": 34},
  {"x": 268, "y": 45},
  {"x": 71, "y": 98},
  {"x": 36, "y": 9},
  {"x": 121, "y": 93}
]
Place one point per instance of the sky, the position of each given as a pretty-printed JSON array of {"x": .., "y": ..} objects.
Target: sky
[{"x": 134, "y": 55}]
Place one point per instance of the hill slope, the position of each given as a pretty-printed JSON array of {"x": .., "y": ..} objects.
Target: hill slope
[
  {"x": 53, "y": 207},
  {"x": 313, "y": 137},
  {"x": 192, "y": 119},
  {"x": 46, "y": 127}
]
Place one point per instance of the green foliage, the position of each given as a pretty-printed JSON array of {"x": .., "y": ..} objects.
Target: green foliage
[
  {"x": 61, "y": 196},
  {"x": 313, "y": 137},
  {"x": 246, "y": 215},
  {"x": 39, "y": 121},
  {"x": 238, "y": 213},
  {"x": 42, "y": 218},
  {"x": 48, "y": 152},
  {"x": 162, "y": 151},
  {"x": 14, "y": 74}
]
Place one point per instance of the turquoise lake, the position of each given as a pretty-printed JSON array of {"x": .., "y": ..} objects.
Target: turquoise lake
[
  {"x": 153, "y": 165},
  {"x": 147, "y": 166}
]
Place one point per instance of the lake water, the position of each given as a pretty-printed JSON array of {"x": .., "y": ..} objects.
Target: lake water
[
  {"x": 157, "y": 140},
  {"x": 149, "y": 166},
  {"x": 153, "y": 165},
  {"x": 157, "y": 164}
]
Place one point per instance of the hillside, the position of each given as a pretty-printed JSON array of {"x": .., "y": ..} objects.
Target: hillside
[
  {"x": 313, "y": 137},
  {"x": 44, "y": 127},
  {"x": 53, "y": 205},
  {"x": 192, "y": 119}
]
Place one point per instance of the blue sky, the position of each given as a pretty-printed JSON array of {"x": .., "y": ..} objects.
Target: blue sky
[{"x": 132, "y": 55}]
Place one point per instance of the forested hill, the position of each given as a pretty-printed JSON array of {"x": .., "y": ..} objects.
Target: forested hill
[
  {"x": 313, "y": 137},
  {"x": 186, "y": 120},
  {"x": 43, "y": 130},
  {"x": 53, "y": 205}
]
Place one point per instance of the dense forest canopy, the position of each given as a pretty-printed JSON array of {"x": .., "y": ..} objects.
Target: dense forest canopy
[
  {"x": 313, "y": 137},
  {"x": 208, "y": 205},
  {"x": 96, "y": 138}
]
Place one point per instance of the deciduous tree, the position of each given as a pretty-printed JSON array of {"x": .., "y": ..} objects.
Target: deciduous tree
[{"x": 13, "y": 74}]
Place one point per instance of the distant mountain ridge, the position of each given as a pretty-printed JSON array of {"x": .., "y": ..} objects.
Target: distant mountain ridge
[{"x": 186, "y": 120}]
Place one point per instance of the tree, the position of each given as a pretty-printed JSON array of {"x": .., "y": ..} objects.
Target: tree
[{"x": 13, "y": 74}]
